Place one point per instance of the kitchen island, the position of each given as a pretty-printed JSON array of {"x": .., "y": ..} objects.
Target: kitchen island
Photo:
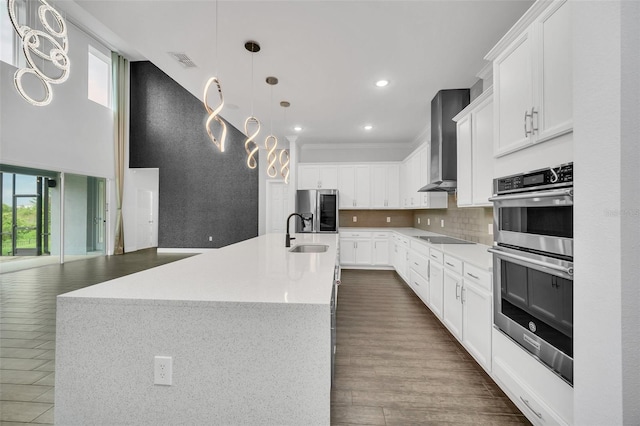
[{"x": 247, "y": 327}]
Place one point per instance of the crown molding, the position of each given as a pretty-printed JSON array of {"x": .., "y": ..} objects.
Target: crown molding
[
  {"x": 326, "y": 146},
  {"x": 486, "y": 72},
  {"x": 519, "y": 27}
]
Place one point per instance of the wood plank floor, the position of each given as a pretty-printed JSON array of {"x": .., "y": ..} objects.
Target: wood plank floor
[
  {"x": 396, "y": 364},
  {"x": 28, "y": 327}
]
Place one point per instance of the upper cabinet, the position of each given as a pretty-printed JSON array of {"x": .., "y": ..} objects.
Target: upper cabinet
[
  {"x": 533, "y": 79},
  {"x": 475, "y": 152},
  {"x": 354, "y": 184},
  {"x": 317, "y": 176},
  {"x": 385, "y": 186}
]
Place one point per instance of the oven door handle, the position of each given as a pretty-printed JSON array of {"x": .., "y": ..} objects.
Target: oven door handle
[
  {"x": 529, "y": 195},
  {"x": 566, "y": 270}
]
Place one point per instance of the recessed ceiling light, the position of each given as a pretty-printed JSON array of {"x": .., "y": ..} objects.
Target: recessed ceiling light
[
  {"x": 382, "y": 83},
  {"x": 368, "y": 127},
  {"x": 297, "y": 128}
]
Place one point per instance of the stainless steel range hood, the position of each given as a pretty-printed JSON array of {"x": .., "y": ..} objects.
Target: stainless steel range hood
[{"x": 444, "y": 163}]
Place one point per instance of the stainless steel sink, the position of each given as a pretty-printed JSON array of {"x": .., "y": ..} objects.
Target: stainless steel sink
[{"x": 309, "y": 248}]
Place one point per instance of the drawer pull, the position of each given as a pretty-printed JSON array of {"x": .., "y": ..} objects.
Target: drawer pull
[
  {"x": 473, "y": 276},
  {"x": 416, "y": 283},
  {"x": 453, "y": 266},
  {"x": 531, "y": 408},
  {"x": 435, "y": 257},
  {"x": 416, "y": 263}
]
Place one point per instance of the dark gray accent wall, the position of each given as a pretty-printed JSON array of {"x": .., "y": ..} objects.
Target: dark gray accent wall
[{"x": 203, "y": 192}]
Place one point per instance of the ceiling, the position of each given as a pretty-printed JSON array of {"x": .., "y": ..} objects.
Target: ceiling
[{"x": 327, "y": 56}]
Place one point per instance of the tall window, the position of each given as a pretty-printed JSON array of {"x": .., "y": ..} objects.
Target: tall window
[
  {"x": 9, "y": 40},
  {"x": 99, "y": 88}
]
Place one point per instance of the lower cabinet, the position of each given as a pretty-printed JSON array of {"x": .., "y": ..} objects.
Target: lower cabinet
[
  {"x": 477, "y": 322},
  {"x": 356, "y": 248},
  {"x": 436, "y": 282},
  {"x": 541, "y": 395},
  {"x": 452, "y": 299},
  {"x": 381, "y": 251}
]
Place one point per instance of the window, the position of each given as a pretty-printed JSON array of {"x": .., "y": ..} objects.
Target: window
[
  {"x": 99, "y": 69},
  {"x": 9, "y": 40}
]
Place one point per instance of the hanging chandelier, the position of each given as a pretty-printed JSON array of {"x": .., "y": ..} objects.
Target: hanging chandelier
[
  {"x": 271, "y": 142},
  {"x": 250, "y": 146},
  {"x": 214, "y": 113},
  {"x": 33, "y": 40}
]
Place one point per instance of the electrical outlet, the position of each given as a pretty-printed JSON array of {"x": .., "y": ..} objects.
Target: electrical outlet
[
  {"x": 162, "y": 370},
  {"x": 418, "y": 221},
  {"x": 428, "y": 222},
  {"x": 355, "y": 218},
  {"x": 490, "y": 228},
  {"x": 442, "y": 223},
  {"x": 210, "y": 238},
  {"x": 389, "y": 219}
]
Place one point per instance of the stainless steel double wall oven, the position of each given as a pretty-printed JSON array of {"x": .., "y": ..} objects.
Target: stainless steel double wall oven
[{"x": 533, "y": 264}]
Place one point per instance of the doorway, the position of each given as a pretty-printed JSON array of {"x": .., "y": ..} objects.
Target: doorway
[
  {"x": 26, "y": 214},
  {"x": 277, "y": 195}
]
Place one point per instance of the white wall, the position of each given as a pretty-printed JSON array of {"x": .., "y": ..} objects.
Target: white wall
[
  {"x": 72, "y": 134},
  {"x": 607, "y": 212},
  {"x": 354, "y": 153}
]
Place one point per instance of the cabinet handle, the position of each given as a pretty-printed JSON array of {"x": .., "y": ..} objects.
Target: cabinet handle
[
  {"x": 473, "y": 276},
  {"x": 435, "y": 257},
  {"x": 450, "y": 264},
  {"x": 534, "y": 112},
  {"x": 526, "y": 132},
  {"x": 319, "y": 184},
  {"x": 530, "y": 408},
  {"x": 416, "y": 263},
  {"x": 462, "y": 293},
  {"x": 375, "y": 245},
  {"x": 457, "y": 288}
]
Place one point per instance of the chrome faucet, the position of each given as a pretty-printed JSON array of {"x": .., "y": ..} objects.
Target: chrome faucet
[{"x": 288, "y": 238}]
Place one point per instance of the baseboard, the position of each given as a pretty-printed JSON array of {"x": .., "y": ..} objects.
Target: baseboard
[{"x": 184, "y": 250}]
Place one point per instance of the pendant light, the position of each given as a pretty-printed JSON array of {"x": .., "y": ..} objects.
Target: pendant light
[
  {"x": 271, "y": 142},
  {"x": 214, "y": 112},
  {"x": 32, "y": 40},
  {"x": 284, "y": 156},
  {"x": 285, "y": 159},
  {"x": 250, "y": 146}
]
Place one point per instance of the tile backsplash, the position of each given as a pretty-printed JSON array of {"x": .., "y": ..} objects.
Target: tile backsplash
[
  {"x": 376, "y": 218},
  {"x": 468, "y": 223}
]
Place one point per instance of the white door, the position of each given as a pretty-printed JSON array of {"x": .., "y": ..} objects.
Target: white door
[
  {"x": 278, "y": 207},
  {"x": 146, "y": 223}
]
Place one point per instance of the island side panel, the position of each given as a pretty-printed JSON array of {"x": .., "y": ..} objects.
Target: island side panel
[{"x": 233, "y": 363}]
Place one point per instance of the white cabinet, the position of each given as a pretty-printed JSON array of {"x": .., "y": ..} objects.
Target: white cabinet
[
  {"x": 468, "y": 308},
  {"x": 354, "y": 186},
  {"x": 380, "y": 253},
  {"x": 452, "y": 299},
  {"x": 355, "y": 248},
  {"x": 385, "y": 186},
  {"x": 315, "y": 176},
  {"x": 533, "y": 81},
  {"x": 475, "y": 152},
  {"x": 477, "y": 322},
  {"x": 436, "y": 282},
  {"x": 540, "y": 394},
  {"x": 415, "y": 175},
  {"x": 400, "y": 255}
]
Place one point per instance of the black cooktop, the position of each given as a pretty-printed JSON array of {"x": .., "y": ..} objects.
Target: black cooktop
[{"x": 444, "y": 240}]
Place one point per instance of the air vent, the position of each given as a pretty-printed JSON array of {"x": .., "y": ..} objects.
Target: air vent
[{"x": 184, "y": 60}]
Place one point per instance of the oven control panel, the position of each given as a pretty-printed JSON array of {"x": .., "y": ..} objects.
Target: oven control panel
[{"x": 536, "y": 180}]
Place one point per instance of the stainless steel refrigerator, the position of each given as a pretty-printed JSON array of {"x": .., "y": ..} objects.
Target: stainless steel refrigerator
[{"x": 320, "y": 207}]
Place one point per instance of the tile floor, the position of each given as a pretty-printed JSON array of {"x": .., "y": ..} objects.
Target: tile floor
[
  {"x": 396, "y": 364},
  {"x": 28, "y": 325}
]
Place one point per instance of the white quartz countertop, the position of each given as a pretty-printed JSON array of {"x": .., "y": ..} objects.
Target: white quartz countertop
[
  {"x": 475, "y": 254},
  {"x": 259, "y": 270}
]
